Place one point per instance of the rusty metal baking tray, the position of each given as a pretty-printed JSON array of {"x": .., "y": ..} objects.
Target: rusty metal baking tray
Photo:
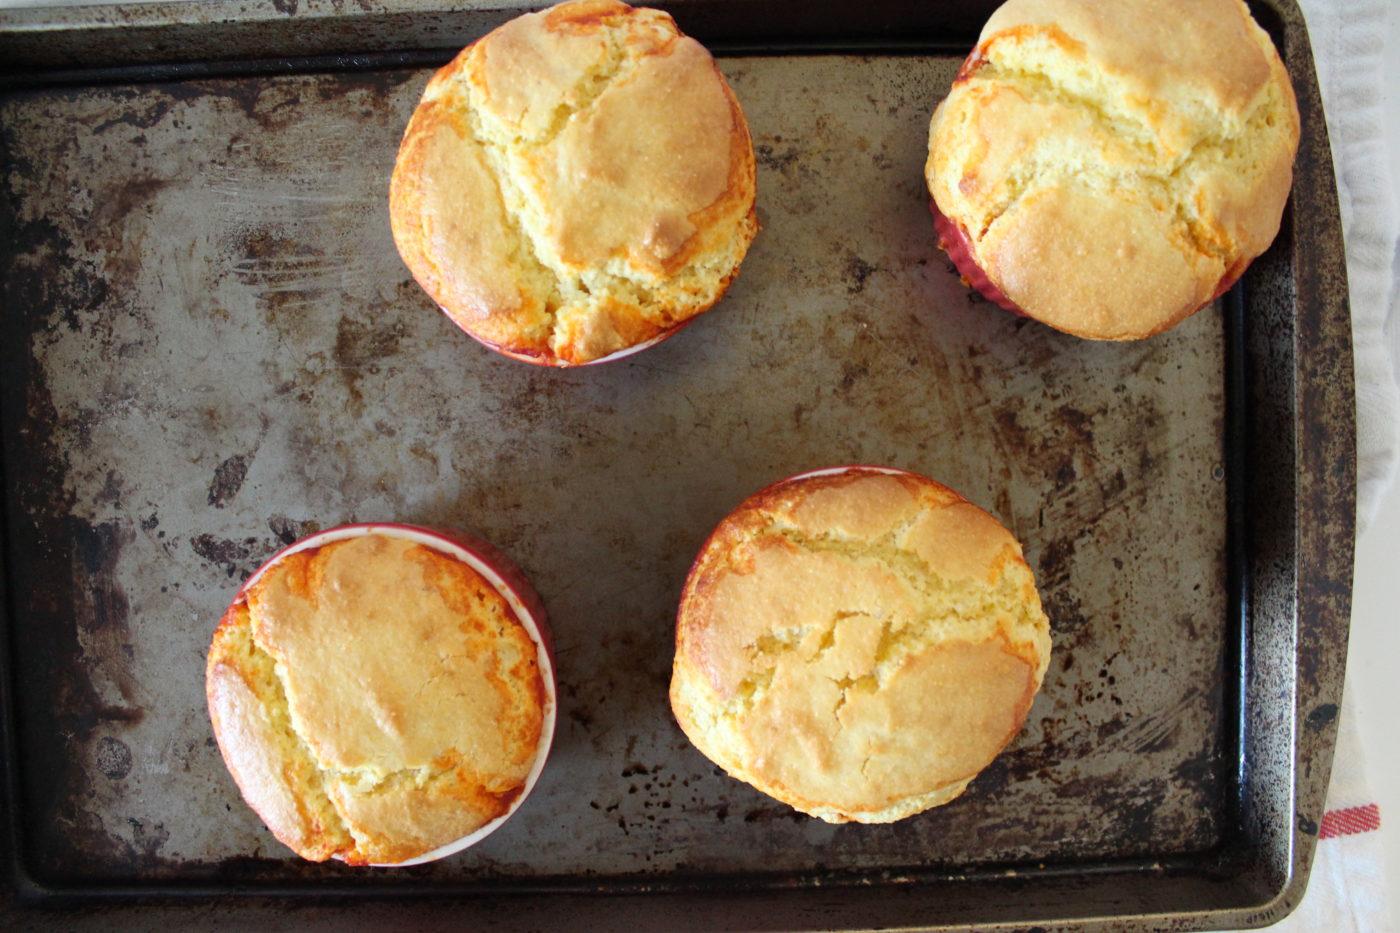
[{"x": 210, "y": 348}]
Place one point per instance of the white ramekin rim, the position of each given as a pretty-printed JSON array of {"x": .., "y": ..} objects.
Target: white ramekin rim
[
  {"x": 560, "y": 364},
  {"x": 846, "y": 468}
]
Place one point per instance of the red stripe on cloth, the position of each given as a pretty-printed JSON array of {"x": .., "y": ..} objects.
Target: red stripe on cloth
[{"x": 1349, "y": 821}]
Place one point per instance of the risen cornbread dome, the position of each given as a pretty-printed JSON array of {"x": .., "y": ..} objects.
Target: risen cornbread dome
[
  {"x": 577, "y": 183},
  {"x": 375, "y": 699},
  {"x": 858, "y": 644},
  {"x": 1109, "y": 168}
]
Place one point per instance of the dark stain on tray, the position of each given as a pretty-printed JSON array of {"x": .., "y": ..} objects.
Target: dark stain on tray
[
  {"x": 361, "y": 348},
  {"x": 289, "y": 531},
  {"x": 91, "y": 609},
  {"x": 103, "y": 604},
  {"x": 228, "y": 479},
  {"x": 771, "y": 157},
  {"x": 237, "y": 558},
  {"x": 1321, "y": 717},
  {"x": 857, "y": 271},
  {"x": 113, "y": 758},
  {"x": 47, "y": 277}
]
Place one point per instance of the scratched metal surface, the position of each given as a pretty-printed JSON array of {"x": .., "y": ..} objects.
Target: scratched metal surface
[{"x": 216, "y": 350}]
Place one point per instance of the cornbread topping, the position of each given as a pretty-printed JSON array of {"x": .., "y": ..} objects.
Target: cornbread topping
[
  {"x": 375, "y": 699},
  {"x": 578, "y": 182},
  {"x": 858, "y": 645}
]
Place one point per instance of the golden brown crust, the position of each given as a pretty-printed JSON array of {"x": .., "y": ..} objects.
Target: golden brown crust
[
  {"x": 249, "y": 721},
  {"x": 374, "y": 699},
  {"x": 859, "y": 645},
  {"x": 1112, "y": 164},
  {"x": 579, "y": 181}
]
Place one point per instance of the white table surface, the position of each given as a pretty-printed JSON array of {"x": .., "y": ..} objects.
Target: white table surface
[
  {"x": 1375, "y": 625},
  {"x": 1375, "y": 630}
]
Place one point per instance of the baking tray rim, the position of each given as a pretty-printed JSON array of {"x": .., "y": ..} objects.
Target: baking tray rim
[{"x": 1322, "y": 575}]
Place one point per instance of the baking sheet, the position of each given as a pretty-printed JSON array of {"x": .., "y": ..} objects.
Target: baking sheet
[{"x": 217, "y": 350}]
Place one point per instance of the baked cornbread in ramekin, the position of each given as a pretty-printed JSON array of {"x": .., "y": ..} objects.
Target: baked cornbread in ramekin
[
  {"x": 576, "y": 185},
  {"x": 858, "y": 643},
  {"x": 1109, "y": 168},
  {"x": 383, "y": 694}
]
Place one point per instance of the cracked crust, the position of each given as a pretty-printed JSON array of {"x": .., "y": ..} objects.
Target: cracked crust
[
  {"x": 577, "y": 183},
  {"x": 1113, "y": 165},
  {"x": 858, "y": 646},
  {"x": 374, "y": 699}
]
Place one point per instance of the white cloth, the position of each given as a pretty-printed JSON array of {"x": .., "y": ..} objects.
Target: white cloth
[
  {"x": 1348, "y": 43},
  {"x": 1346, "y": 891}
]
